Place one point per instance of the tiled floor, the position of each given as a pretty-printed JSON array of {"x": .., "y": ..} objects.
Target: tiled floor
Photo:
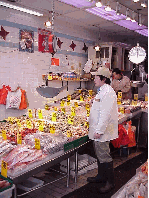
[{"x": 59, "y": 188}]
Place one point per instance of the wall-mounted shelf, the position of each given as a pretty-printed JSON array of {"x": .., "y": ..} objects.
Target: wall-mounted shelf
[{"x": 82, "y": 80}]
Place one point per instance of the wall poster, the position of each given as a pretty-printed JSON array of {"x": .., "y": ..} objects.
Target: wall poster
[
  {"x": 26, "y": 41},
  {"x": 43, "y": 37}
]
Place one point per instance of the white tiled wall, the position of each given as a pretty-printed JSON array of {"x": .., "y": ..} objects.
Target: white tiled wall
[{"x": 26, "y": 69}]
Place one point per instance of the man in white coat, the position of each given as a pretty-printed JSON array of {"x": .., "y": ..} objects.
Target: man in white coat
[{"x": 103, "y": 127}]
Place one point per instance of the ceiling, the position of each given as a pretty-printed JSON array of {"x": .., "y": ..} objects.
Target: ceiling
[{"x": 79, "y": 16}]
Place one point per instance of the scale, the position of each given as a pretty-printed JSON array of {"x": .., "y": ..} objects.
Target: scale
[{"x": 137, "y": 55}]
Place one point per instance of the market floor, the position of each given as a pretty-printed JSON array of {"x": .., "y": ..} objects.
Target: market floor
[{"x": 59, "y": 189}]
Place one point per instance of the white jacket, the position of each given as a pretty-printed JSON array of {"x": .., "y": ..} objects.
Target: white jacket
[{"x": 103, "y": 117}]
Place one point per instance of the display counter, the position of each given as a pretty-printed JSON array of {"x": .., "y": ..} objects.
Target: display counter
[
  {"x": 68, "y": 120},
  {"x": 137, "y": 186}
]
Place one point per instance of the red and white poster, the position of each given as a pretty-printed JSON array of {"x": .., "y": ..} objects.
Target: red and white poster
[{"x": 43, "y": 37}]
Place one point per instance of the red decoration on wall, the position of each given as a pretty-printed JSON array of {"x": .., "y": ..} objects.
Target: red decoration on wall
[
  {"x": 55, "y": 61},
  {"x": 3, "y": 33},
  {"x": 72, "y": 45},
  {"x": 43, "y": 37},
  {"x": 59, "y": 43},
  {"x": 85, "y": 48}
]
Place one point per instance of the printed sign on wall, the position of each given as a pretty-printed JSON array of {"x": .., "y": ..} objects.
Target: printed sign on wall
[
  {"x": 26, "y": 41},
  {"x": 43, "y": 37}
]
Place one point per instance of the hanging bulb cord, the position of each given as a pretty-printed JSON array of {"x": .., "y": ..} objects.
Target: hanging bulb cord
[{"x": 53, "y": 18}]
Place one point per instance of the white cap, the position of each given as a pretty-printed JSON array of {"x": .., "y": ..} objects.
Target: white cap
[{"x": 102, "y": 71}]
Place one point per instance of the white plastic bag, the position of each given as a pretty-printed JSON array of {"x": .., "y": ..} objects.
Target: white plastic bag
[{"x": 13, "y": 99}]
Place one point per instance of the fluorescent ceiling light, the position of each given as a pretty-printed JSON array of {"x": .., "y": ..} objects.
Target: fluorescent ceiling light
[
  {"x": 143, "y": 32},
  {"x": 101, "y": 12},
  {"x": 20, "y": 9},
  {"x": 129, "y": 25},
  {"x": 135, "y": 1},
  {"x": 117, "y": 19}
]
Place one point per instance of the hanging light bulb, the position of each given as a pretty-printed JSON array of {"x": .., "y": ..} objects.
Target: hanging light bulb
[
  {"x": 135, "y": 1},
  {"x": 48, "y": 23},
  {"x": 133, "y": 17},
  {"x": 127, "y": 15},
  {"x": 97, "y": 47},
  {"x": 143, "y": 4},
  {"x": 118, "y": 8},
  {"x": 99, "y": 4},
  {"x": 108, "y": 8}
]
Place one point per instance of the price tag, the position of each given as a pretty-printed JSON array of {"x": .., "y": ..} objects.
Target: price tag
[
  {"x": 73, "y": 111},
  {"x": 63, "y": 110},
  {"x": 28, "y": 124},
  {"x": 135, "y": 96},
  {"x": 75, "y": 104},
  {"x": 132, "y": 102},
  {"x": 89, "y": 98},
  {"x": 62, "y": 103},
  {"x": 4, "y": 168},
  {"x": 53, "y": 117},
  {"x": 55, "y": 108},
  {"x": 119, "y": 94},
  {"x": 40, "y": 113},
  {"x": 86, "y": 124},
  {"x": 19, "y": 138},
  {"x": 118, "y": 101},
  {"x": 52, "y": 129},
  {"x": 10, "y": 119},
  {"x": 69, "y": 97},
  {"x": 19, "y": 123},
  {"x": 68, "y": 102},
  {"x": 122, "y": 110},
  {"x": 90, "y": 92},
  {"x": 146, "y": 97},
  {"x": 80, "y": 90},
  {"x": 87, "y": 106},
  {"x": 37, "y": 144},
  {"x": 70, "y": 119},
  {"x": 88, "y": 112},
  {"x": 4, "y": 134},
  {"x": 30, "y": 113},
  {"x": 41, "y": 127},
  {"x": 135, "y": 103},
  {"x": 49, "y": 77},
  {"x": 69, "y": 133},
  {"x": 46, "y": 107},
  {"x": 81, "y": 98}
]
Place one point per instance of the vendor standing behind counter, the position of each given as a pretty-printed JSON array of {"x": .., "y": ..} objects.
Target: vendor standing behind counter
[{"x": 121, "y": 83}]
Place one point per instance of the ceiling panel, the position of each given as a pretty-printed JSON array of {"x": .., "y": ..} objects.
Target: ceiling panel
[
  {"x": 47, "y": 5},
  {"x": 78, "y": 15},
  {"x": 84, "y": 17}
]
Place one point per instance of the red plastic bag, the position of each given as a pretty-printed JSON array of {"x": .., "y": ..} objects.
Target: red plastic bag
[
  {"x": 3, "y": 94},
  {"x": 23, "y": 104},
  {"x": 123, "y": 138},
  {"x": 131, "y": 135}
]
